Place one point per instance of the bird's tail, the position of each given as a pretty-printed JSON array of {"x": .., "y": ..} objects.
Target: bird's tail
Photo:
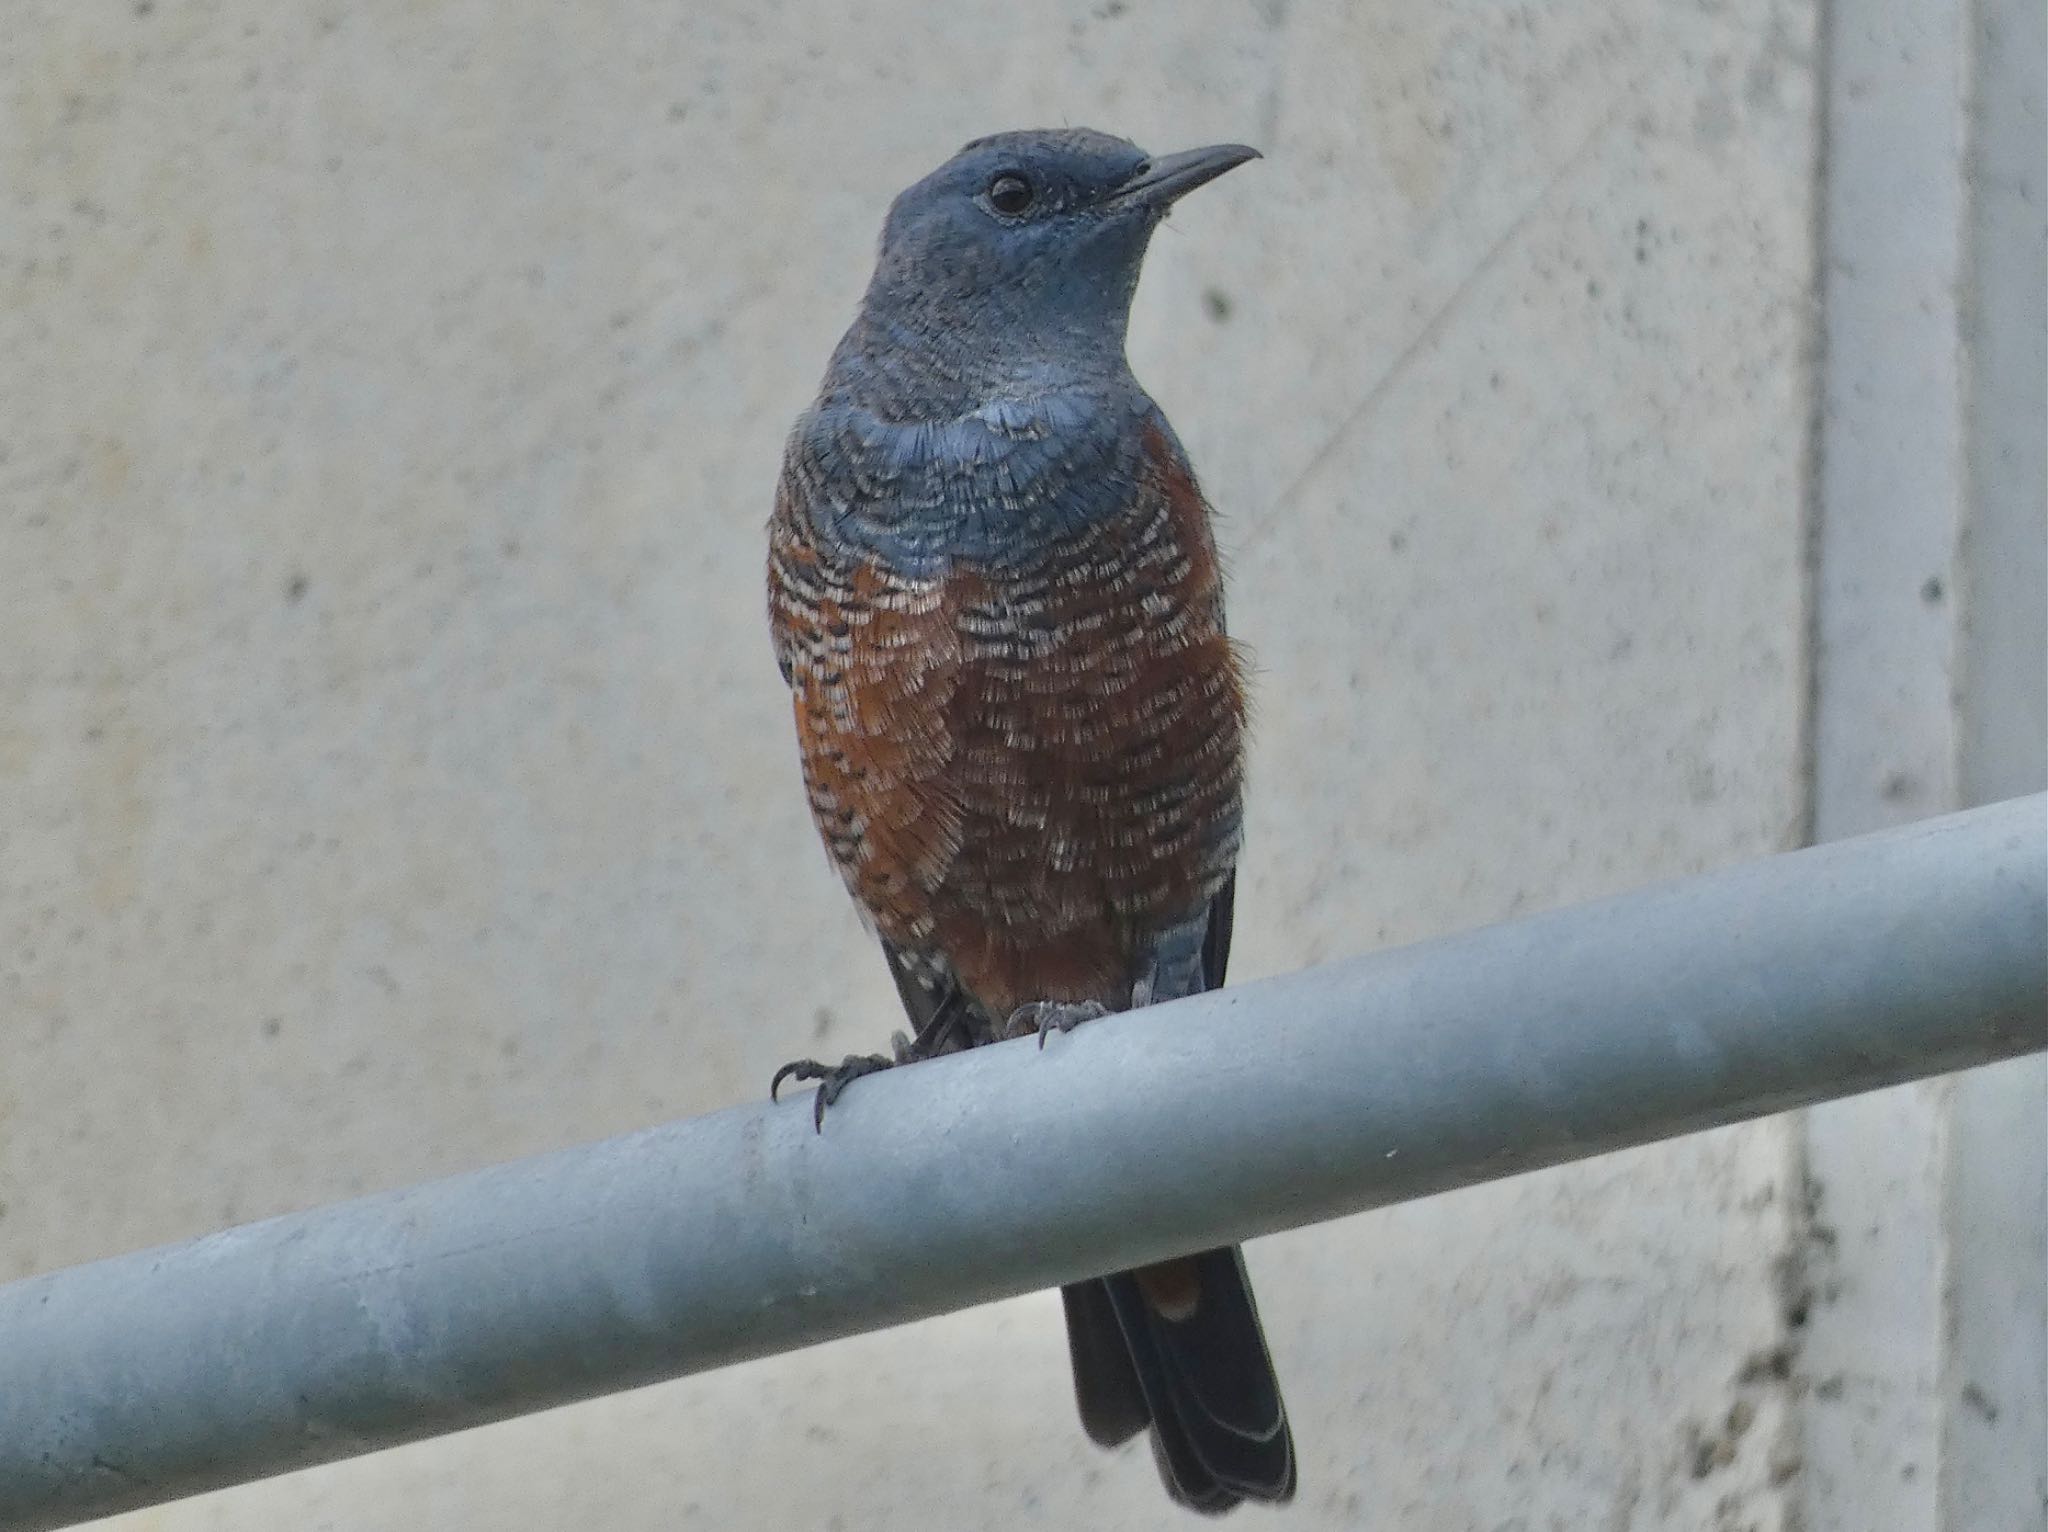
[{"x": 1178, "y": 1347}]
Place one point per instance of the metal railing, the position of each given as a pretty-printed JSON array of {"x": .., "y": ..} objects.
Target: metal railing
[{"x": 350, "y": 1328}]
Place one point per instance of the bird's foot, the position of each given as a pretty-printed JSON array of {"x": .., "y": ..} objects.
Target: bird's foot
[
  {"x": 1043, "y": 1016},
  {"x": 832, "y": 1079}
]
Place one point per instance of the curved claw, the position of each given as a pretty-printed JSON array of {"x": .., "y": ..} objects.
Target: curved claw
[
  {"x": 832, "y": 1079},
  {"x": 800, "y": 1069},
  {"x": 1044, "y": 1016}
]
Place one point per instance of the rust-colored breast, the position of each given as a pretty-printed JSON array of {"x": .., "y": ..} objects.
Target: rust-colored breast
[{"x": 1029, "y": 772}]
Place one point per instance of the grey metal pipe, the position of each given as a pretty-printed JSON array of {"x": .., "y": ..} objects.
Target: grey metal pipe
[{"x": 349, "y": 1328}]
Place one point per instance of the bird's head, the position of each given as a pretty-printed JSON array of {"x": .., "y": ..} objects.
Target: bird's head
[{"x": 1023, "y": 250}]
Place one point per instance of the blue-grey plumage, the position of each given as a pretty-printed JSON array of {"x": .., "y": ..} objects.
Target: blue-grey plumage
[{"x": 995, "y": 596}]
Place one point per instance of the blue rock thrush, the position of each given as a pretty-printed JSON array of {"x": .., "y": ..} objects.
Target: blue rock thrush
[{"x": 995, "y": 597}]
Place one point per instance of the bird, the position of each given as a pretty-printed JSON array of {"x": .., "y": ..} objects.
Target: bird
[{"x": 995, "y": 597}]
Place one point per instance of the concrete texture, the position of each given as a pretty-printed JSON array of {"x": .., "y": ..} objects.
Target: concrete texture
[
  {"x": 1924, "y": 1261},
  {"x": 1996, "y": 1191},
  {"x": 1889, "y": 507},
  {"x": 392, "y": 399}
]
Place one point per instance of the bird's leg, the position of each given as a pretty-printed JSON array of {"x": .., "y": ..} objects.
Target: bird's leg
[
  {"x": 1043, "y": 1016},
  {"x": 832, "y": 1079},
  {"x": 940, "y": 1029}
]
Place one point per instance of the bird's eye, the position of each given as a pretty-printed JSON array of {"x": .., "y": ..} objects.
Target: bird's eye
[{"x": 1010, "y": 194}]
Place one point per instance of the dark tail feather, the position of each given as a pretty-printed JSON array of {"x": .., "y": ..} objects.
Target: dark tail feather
[
  {"x": 1106, "y": 1387},
  {"x": 1202, "y": 1378}
]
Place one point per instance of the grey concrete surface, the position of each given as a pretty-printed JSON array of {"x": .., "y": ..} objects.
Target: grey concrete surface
[
  {"x": 1889, "y": 506},
  {"x": 1997, "y": 1156},
  {"x": 1923, "y": 1259},
  {"x": 391, "y": 399},
  {"x": 2004, "y": 703},
  {"x": 1996, "y": 1184}
]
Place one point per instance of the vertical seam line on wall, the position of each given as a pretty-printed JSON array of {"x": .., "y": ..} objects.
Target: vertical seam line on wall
[
  {"x": 1807, "y": 746},
  {"x": 1800, "y": 1213}
]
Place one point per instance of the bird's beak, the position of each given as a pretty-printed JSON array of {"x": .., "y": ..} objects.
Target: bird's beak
[{"x": 1159, "y": 183}]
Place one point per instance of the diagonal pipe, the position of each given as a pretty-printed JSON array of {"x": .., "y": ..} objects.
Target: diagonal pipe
[{"x": 354, "y": 1327}]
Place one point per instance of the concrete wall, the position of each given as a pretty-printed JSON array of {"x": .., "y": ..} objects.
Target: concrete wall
[
  {"x": 1925, "y": 1246},
  {"x": 393, "y": 776}
]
